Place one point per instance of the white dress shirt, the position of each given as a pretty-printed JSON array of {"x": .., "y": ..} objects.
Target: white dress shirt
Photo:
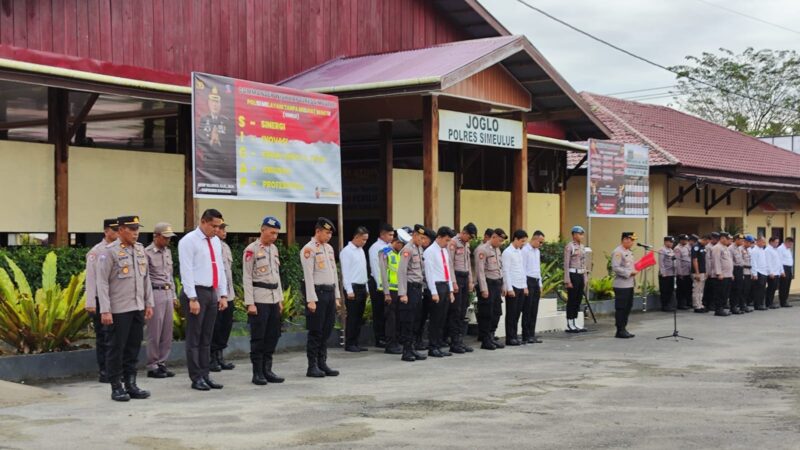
[
  {"x": 786, "y": 256},
  {"x": 758, "y": 261},
  {"x": 196, "y": 266},
  {"x": 774, "y": 261},
  {"x": 354, "y": 266},
  {"x": 374, "y": 266},
  {"x": 532, "y": 262},
  {"x": 435, "y": 266},
  {"x": 513, "y": 269}
]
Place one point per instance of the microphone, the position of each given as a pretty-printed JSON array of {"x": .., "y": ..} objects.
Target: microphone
[{"x": 648, "y": 247}]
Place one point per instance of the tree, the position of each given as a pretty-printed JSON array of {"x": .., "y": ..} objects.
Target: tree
[{"x": 755, "y": 92}]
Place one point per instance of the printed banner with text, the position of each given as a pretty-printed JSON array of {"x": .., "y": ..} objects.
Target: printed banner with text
[
  {"x": 255, "y": 141},
  {"x": 618, "y": 182}
]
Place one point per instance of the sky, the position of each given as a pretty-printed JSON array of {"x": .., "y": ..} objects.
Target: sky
[{"x": 664, "y": 31}]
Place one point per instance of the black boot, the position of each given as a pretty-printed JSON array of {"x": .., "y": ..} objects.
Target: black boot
[
  {"x": 132, "y": 389},
  {"x": 224, "y": 365},
  {"x": 322, "y": 362},
  {"x": 268, "y": 373},
  {"x": 258, "y": 371},
  {"x": 118, "y": 392},
  {"x": 102, "y": 376},
  {"x": 213, "y": 364},
  {"x": 313, "y": 369},
  {"x": 408, "y": 354}
]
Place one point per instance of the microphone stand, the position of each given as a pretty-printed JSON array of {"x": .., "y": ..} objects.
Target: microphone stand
[{"x": 675, "y": 333}]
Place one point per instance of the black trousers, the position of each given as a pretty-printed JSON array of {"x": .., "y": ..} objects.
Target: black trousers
[
  {"x": 530, "y": 308},
  {"x": 265, "y": 330},
  {"x": 100, "y": 341},
  {"x": 320, "y": 324},
  {"x": 684, "y": 292},
  {"x": 355, "y": 314},
  {"x": 486, "y": 313},
  {"x": 574, "y": 294},
  {"x": 406, "y": 316},
  {"x": 199, "y": 330},
  {"x": 124, "y": 341},
  {"x": 785, "y": 284},
  {"x": 378, "y": 306},
  {"x": 709, "y": 292},
  {"x": 744, "y": 294},
  {"x": 758, "y": 290},
  {"x": 457, "y": 313},
  {"x": 736, "y": 287},
  {"x": 722, "y": 289},
  {"x": 438, "y": 316},
  {"x": 666, "y": 286},
  {"x": 422, "y": 314},
  {"x": 513, "y": 311},
  {"x": 223, "y": 325},
  {"x": 772, "y": 286},
  {"x": 623, "y": 302},
  {"x": 392, "y": 321}
]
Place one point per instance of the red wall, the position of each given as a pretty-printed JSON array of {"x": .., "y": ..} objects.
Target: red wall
[{"x": 261, "y": 40}]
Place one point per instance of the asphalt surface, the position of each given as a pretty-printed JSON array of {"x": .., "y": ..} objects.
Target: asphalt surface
[{"x": 737, "y": 385}]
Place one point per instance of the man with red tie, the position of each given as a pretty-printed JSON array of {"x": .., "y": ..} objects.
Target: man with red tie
[
  {"x": 439, "y": 277},
  {"x": 205, "y": 291}
]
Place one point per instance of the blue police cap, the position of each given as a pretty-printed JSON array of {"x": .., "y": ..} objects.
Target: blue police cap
[
  {"x": 578, "y": 229},
  {"x": 749, "y": 238},
  {"x": 272, "y": 222}
]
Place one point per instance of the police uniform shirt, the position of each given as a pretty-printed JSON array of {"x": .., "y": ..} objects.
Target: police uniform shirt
[
  {"x": 710, "y": 271},
  {"x": 227, "y": 263},
  {"x": 622, "y": 266},
  {"x": 91, "y": 273},
  {"x": 460, "y": 259},
  {"x": 723, "y": 262},
  {"x": 746, "y": 262},
  {"x": 411, "y": 269},
  {"x": 666, "y": 263},
  {"x": 261, "y": 264},
  {"x": 160, "y": 261},
  {"x": 319, "y": 267},
  {"x": 683, "y": 260},
  {"x": 488, "y": 265},
  {"x": 123, "y": 278},
  {"x": 736, "y": 255},
  {"x": 699, "y": 253},
  {"x": 574, "y": 258}
]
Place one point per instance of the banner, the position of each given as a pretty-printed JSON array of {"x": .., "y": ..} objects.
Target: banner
[
  {"x": 256, "y": 141},
  {"x": 480, "y": 130},
  {"x": 618, "y": 181}
]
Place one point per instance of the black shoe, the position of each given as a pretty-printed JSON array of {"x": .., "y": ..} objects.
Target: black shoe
[
  {"x": 467, "y": 348},
  {"x": 393, "y": 350},
  {"x": 212, "y": 384},
  {"x": 419, "y": 356},
  {"x": 156, "y": 374},
  {"x": 352, "y": 349},
  {"x": 445, "y": 353},
  {"x": 200, "y": 385},
  {"x": 513, "y": 342},
  {"x": 722, "y": 313},
  {"x": 748, "y": 309},
  {"x": 761, "y": 308},
  {"x": 498, "y": 344},
  {"x": 623, "y": 334},
  {"x": 165, "y": 371},
  {"x": 535, "y": 340},
  {"x": 735, "y": 311},
  {"x": 700, "y": 310},
  {"x": 224, "y": 364},
  {"x": 214, "y": 366},
  {"x": 314, "y": 371},
  {"x": 786, "y": 305},
  {"x": 571, "y": 330},
  {"x": 258, "y": 378},
  {"x": 133, "y": 390},
  {"x": 323, "y": 366},
  {"x": 420, "y": 346},
  {"x": 118, "y": 393},
  {"x": 380, "y": 343},
  {"x": 488, "y": 345},
  {"x": 582, "y": 330},
  {"x": 683, "y": 308},
  {"x": 457, "y": 349},
  {"x": 774, "y": 307},
  {"x": 272, "y": 378},
  {"x": 408, "y": 356},
  {"x": 435, "y": 353},
  {"x": 363, "y": 349},
  {"x": 102, "y": 377}
]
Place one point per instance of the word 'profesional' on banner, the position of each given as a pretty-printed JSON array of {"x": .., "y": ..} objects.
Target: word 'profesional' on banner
[
  {"x": 618, "y": 180},
  {"x": 254, "y": 141}
]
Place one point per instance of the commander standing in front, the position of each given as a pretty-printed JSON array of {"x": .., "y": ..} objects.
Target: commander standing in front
[
  {"x": 624, "y": 271},
  {"x": 205, "y": 291}
]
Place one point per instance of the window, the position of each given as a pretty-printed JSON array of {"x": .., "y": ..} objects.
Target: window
[{"x": 761, "y": 231}]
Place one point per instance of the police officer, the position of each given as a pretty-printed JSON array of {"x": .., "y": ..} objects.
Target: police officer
[
  {"x": 390, "y": 264},
  {"x": 489, "y": 272},
  {"x": 385, "y": 236},
  {"x": 100, "y": 338},
  {"x": 487, "y": 235},
  {"x": 666, "y": 273},
  {"x": 410, "y": 279},
  {"x": 738, "y": 274},
  {"x": 224, "y": 321},
  {"x": 574, "y": 276},
  {"x": 263, "y": 296},
  {"x": 461, "y": 262},
  {"x": 722, "y": 271},
  {"x": 214, "y": 126},
  {"x": 683, "y": 272},
  {"x": 747, "y": 274},
  {"x": 159, "y": 328},
  {"x": 322, "y": 297},
  {"x": 711, "y": 276},
  {"x": 126, "y": 300},
  {"x": 624, "y": 272},
  {"x": 698, "y": 272}
]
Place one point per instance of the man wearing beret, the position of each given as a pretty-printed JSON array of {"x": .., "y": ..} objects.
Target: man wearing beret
[
  {"x": 410, "y": 278},
  {"x": 159, "y": 328},
  {"x": 722, "y": 264},
  {"x": 322, "y": 297},
  {"x": 101, "y": 343},
  {"x": 461, "y": 262},
  {"x": 622, "y": 265},
  {"x": 263, "y": 296},
  {"x": 666, "y": 273},
  {"x": 575, "y": 277},
  {"x": 683, "y": 272},
  {"x": 489, "y": 272}
]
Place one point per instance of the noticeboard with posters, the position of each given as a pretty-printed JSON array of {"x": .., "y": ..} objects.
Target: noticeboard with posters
[
  {"x": 618, "y": 182},
  {"x": 254, "y": 141}
]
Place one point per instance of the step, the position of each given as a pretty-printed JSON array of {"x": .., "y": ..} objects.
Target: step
[{"x": 548, "y": 319}]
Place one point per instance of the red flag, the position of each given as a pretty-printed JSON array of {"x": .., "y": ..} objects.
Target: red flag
[{"x": 647, "y": 260}]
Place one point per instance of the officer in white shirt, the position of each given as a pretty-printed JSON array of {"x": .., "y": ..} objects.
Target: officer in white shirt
[
  {"x": 515, "y": 284},
  {"x": 787, "y": 259},
  {"x": 760, "y": 273},
  {"x": 354, "y": 280},
  {"x": 439, "y": 276},
  {"x": 385, "y": 237},
  {"x": 532, "y": 261},
  {"x": 775, "y": 271}
]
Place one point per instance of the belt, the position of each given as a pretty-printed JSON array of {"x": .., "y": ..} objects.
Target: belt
[
  {"x": 496, "y": 282},
  {"x": 414, "y": 284},
  {"x": 359, "y": 285},
  {"x": 747, "y": 267},
  {"x": 325, "y": 287},
  {"x": 533, "y": 278},
  {"x": 444, "y": 283},
  {"x": 259, "y": 284},
  {"x": 577, "y": 270},
  {"x": 207, "y": 288},
  {"x": 162, "y": 287},
  {"x": 461, "y": 274}
]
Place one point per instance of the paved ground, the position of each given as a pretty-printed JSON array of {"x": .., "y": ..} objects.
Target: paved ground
[{"x": 736, "y": 386}]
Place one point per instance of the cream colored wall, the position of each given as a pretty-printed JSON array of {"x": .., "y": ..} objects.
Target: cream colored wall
[
  {"x": 544, "y": 213},
  {"x": 108, "y": 183},
  {"x": 690, "y": 208},
  {"x": 407, "y": 191},
  {"x": 486, "y": 209},
  {"x": 243, "y": 216},
  {"x": 28, "y": 194}
]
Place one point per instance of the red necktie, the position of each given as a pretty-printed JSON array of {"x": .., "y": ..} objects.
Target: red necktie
[
  {"x": 444, "y": 264},
  {"x": 213, "y": 264}
]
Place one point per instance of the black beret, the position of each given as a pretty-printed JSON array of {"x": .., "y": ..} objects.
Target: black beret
[
  {"x": 629, "y": 234},
  {"x": 325, "y": 224}
]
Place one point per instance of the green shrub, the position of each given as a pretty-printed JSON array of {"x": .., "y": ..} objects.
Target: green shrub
[{"x": 602, "y": 288}]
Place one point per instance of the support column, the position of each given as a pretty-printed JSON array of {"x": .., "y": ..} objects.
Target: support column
[
  {"x": 185, "y": 149},
  {"x": 386, "y": 166},
  {"x": 58, "y": 135},
  {"x": 519, "y": 184},
  {"x": 430, "y": 160},
  {"x": 291, "y": 228},
  {"x": 458, "y": 178}
]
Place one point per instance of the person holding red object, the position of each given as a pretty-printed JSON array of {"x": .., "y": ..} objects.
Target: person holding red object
[{"x": 624, "y": 272}]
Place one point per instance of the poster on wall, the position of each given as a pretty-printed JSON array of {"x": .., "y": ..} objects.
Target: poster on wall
[
  {"x": 254, "y": 141},
  {"x": 618, "y": 180}
]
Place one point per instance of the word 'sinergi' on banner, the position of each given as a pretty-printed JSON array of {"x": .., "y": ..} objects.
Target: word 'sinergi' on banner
[
  {"x": 254, "y": 141},
  {"x": 618, "y": 181}
]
